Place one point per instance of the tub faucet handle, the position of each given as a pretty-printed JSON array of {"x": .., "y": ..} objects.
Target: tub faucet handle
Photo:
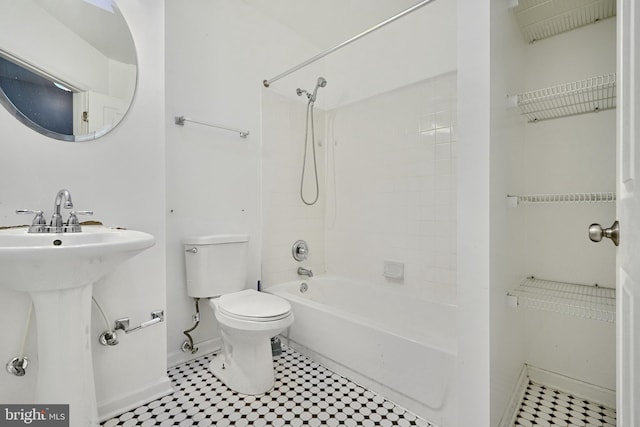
[{"x": 300, "y": 250}]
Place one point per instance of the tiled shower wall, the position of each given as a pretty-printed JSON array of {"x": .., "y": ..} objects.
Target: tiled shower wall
[
  {"x": 395, "y": 188},
  {"x": 388, "y": 182},
  {"x": 285, "y": 218}
]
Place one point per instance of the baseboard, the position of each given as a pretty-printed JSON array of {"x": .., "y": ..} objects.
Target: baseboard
[
  {"x": 179, "y": 357},
  {"x": 123, "y": 403},
  {"x": 591, "y": 392},
  {"x": 511, "y": 411}
]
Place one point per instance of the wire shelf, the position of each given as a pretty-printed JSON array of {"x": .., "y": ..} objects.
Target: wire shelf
[
  {"x": 539, "y": 19},
  {"x": 602, "y": 197},
  {"x": 585, "y": 301},
  {"x": 569, "y": 99}
]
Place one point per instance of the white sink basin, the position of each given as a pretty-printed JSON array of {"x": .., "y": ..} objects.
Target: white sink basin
[
  {"x": 50, "y": 261},
  {"x": 58, "y": 270}
]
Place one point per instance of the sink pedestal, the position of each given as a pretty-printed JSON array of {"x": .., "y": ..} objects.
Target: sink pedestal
[
  {"x": 58, "y": 270},
  {"x": 65, "y": 372}
]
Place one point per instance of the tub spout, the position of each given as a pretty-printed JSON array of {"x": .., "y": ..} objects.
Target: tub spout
[{"x": 305, "y": 272}]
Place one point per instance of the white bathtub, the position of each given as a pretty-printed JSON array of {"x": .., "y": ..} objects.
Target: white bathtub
[{"x": 401, "y": 347}]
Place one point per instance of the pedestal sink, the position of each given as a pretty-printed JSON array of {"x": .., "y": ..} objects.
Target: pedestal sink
[{"x": 58, "y": 270}]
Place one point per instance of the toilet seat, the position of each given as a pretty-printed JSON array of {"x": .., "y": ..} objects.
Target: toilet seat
[{"x": 254, "y": 306}]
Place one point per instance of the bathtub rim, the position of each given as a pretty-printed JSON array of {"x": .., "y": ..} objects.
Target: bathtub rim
[
  {"x": 390, "y": 288},
  {"x": 283, "y": 290}
]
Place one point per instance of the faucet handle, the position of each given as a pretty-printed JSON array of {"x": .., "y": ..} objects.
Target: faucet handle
[
  {"x": 73, "y": 225},
  {"x": 39, "y": 219},
  {"x": 39, "y": 224},
  {"x": 74, "y": 213},
  {"x": 300, "y": 250}
]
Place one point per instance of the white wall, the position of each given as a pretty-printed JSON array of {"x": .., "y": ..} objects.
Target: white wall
[
  {"x": 218, "y": 54},
  {"x": 413, "y": 48},
  {"x": 387, "y": 178},
  {"x": 391, "y": 189},
  {"x": 285, "y": 218},
  {"x": 472, "y": 372},
  {"x": 121, "y": 177},
  {"x": 507, "y": 249}
]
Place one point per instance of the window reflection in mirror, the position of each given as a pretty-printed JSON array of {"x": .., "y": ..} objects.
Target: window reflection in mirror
[{"x": 42, "y": 101}]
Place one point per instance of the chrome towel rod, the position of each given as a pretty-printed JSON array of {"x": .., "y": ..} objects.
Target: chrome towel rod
[
  {"x": 181, "y": 119},
  {"x": 326, "y": 52}
]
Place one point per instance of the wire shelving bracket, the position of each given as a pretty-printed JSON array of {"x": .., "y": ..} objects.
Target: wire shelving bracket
[
  {"x": 595, "y": 197},
  {"x": 539, "y": 19},
  {"x": 569, "y": 99},
  {"x": 585, "y": 301}
]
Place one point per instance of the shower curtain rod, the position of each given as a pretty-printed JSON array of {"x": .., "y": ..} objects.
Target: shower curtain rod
[{"x": 326, "y": 52}]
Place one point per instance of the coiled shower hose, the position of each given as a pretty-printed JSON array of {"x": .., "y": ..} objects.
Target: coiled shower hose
[{"x": 304, "y": 159}]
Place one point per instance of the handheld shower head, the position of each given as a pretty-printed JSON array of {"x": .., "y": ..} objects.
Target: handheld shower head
[{"x": 322, "y": 82}]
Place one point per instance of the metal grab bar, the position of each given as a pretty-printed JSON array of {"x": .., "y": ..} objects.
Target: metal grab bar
[
  {"x": 179, "y": 120},
  {"x": 326, "y": 52},
  {"x": 123, "y": 324}
]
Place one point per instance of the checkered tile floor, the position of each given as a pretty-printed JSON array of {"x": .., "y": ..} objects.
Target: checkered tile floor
[
  {"x": 305, "y": 394},
  {"x": 543, "y": 406}
]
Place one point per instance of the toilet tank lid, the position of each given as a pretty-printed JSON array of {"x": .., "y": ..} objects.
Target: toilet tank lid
[{"x": 214, "y": 239}]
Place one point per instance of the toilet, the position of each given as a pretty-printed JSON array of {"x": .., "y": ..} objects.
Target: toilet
[{"x": 216, "y": 267}]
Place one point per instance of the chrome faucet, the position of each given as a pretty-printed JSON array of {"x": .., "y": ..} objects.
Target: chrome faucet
[
  {"x": 56, "y": 220},
  {"x": 39, "y": 224},
  {"x": 305, "y": 272}
]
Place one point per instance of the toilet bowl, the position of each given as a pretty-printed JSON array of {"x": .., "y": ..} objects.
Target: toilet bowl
[
  {"x": 216, "y": 269},
  {"x": 247, "y": 321}
]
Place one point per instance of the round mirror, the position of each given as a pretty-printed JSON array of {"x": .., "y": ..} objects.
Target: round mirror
[{"x": 68, "y": 68}]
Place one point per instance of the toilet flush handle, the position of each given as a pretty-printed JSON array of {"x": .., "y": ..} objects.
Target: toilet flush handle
[{"x": 192, "y": 250}]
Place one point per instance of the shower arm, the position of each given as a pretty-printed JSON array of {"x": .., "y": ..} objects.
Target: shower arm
[{"x": 326, "y": 52}]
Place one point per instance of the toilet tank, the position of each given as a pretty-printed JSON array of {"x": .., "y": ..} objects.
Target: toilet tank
[{"x": 215, "y": 264}]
